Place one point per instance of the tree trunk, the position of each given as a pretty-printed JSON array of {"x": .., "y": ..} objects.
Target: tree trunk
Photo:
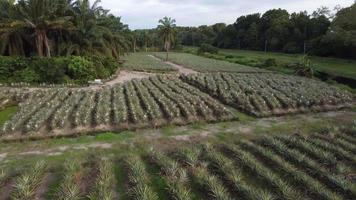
[
  {"x": 39, "y": 43},
  {"x": 167, "y": 46},
  {"x": 46, "y": 44},
  {"x": 266, "y": 44}
]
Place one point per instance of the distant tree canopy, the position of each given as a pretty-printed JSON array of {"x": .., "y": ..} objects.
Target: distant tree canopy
[
  {"x": 48, "y": 28},
  {"x": 319, "y": 33}
]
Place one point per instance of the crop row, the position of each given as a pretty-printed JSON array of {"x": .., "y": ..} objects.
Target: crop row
[
  {"x": 202, "y": 64},
  {"x": 149, "y": 102},
  {"x": 288, "y": 167},
  {"x": 145, "y": 63},
  {"x": 270, "y": 94}
]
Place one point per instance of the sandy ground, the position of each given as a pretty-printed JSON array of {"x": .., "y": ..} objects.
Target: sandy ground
[
  {"x": 123, "y": 77},
  {"x": 181, "y": 69}
]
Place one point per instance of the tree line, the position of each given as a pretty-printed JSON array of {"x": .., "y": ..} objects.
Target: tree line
[
  {"x": 46, "y": 28},
  {"x": 319, "y": 33}
]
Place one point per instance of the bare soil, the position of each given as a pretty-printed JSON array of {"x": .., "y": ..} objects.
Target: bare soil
[
  {"x": 6, "y": 189},
  {"x": 43, "y": 188}
]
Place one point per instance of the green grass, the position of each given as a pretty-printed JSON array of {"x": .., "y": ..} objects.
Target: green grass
[
  {"x": 144, "y": 63},
  {"x": 333, "y": 66},
  {"x": 202, "y": 64},
  {"x": 329, "y": 65},
  {"x": 7, "y": 113}
]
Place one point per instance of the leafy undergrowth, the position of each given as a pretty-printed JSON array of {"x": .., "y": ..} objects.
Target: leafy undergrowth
[{"x": 7, "y": 113}]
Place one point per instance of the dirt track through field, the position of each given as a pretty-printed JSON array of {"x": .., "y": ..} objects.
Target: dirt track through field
[
  {"x": 123, "y": 77},
  {"x": 181, "y": 69}
]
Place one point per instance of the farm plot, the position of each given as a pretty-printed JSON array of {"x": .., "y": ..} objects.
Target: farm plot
[
  {"x": 202, "y": 64},
  {"x": 139, "y": 103},
  {"x": 143, "y": 62},
  {"x": 271, "y": 94},
  {"x": 293, "y": 167}
]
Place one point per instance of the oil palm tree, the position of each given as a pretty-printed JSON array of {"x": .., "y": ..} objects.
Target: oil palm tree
[
  {"x": 167, "y": 32},
  {"x": 38, "y": 16},
  {"x": 11, "y": 39}
]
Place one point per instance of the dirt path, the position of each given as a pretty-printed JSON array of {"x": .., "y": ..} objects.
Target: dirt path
[
  {"x": 122, "y": 77},
  {"x": 181, "y": 69}
]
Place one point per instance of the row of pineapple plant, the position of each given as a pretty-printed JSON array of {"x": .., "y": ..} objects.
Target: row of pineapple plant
[
  {"x": 288, "y": 167},
  {"x": 270, "y": 94},
  {"x": 150, "y": 102}
]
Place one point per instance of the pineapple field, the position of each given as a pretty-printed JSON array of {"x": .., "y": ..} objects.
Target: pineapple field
[
  {"x": 166, "y": 100},
  {"x": 234, "y": 133},
  {"x": 318, "y": 166}
]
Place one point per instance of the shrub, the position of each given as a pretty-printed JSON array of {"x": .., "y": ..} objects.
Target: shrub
[
  {"x": 50, "y": 70},
  {"x": 207, "y": 48},
  {"x": 28, "y": 75},
  {"x": 56, "y": 70},
  {"x": 9, "y": 65},
  {"x": 104, "y": 67},
  {"x": 81, "y": 69}
]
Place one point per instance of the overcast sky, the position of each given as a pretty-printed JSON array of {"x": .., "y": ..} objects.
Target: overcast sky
[{"x": 142, "y": 14}]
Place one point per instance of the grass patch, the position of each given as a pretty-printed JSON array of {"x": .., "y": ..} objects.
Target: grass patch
[
  {"x": 120, "y": 180},
  {"x": 329, "y": 65},
  {"x": 7, "y": 113},
  {"x": 158, "y": 184}
]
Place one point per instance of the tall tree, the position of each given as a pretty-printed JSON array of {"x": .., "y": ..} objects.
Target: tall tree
[
  {"x": 167, "y": 32},
  {"x": 38, "y": 16}
]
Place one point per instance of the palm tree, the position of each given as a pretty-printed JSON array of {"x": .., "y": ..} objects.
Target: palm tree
[
  {"x": 38, "y": 16},
  {"x": 11, "y": 39},
  {"x": 167, "y": 32}
]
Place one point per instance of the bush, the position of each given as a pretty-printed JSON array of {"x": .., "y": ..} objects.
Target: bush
[
  {"x": 104, "y": 67},
  {"x": 9, "y": 65},
  {"x": 81, "y": 69},
  {"x": 207, "y": 48},
  {"x": 50, "y": 70},
  {"x": 55, "y": 70},
  {"x": 28, "y": 75}
]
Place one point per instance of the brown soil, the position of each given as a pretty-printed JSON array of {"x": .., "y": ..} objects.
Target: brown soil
[
  {"x": 6, "y": 189},
  {"x": 43, "y": 188},
  {"x": 122, "y": 77}
]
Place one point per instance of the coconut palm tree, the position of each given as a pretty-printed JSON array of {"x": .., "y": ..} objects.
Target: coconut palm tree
[{"x": 167, "y": 32}]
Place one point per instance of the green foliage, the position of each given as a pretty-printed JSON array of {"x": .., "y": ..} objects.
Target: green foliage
[
  {"x": 56, "y": 69},
  {"x": 207, "y": 48},
  {"x": 305, "y": 68},
  {"x": 31, "y": 27},
  {"x": 270, "y": 62},
  {"x": 202, "y": 64},
  {"x": 81, "y": 69},
  {"x": 144, "y": 62}
]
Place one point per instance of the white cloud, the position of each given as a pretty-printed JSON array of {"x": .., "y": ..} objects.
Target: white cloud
[{"x": 141, "y": 14}]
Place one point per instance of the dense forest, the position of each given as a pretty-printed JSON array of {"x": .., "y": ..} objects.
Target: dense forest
[{"x": 319, "y": 33}]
